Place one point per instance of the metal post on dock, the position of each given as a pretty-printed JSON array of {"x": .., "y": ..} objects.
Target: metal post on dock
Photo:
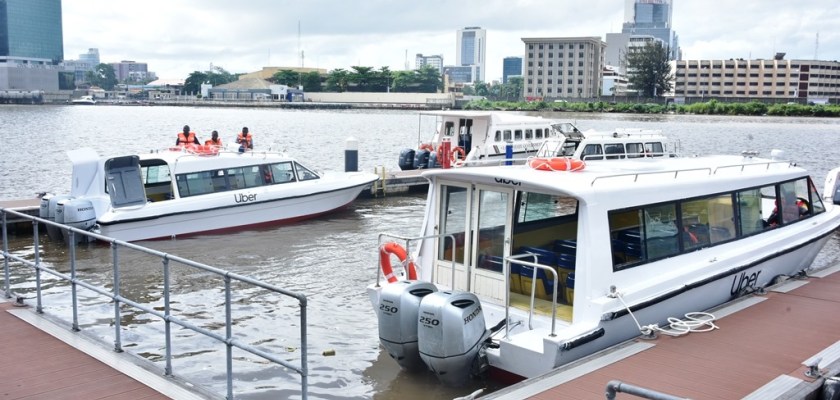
[
  {"x": 351, "y": 155},
  {"x": 445, "y": 151}
]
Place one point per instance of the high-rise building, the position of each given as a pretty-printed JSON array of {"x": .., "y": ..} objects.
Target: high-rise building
[
  {"x": 31, "y": 46},
  {"x": 651, "y": 17},
  {"x": 563, "y": 67},
  {"x": 511, "y": 66},
  {"x": 131, "y": 71},
  {"x": 31, "y": 29},
  {"x": 471, "y": 49},
  {"x": 435, "y": 61}
]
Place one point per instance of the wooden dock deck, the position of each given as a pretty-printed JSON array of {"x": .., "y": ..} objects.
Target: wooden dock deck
[
  {"x": 760, "y": 352},
  {"x": 42, "y": 360}
]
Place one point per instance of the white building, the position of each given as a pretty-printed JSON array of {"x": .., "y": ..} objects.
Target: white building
[
  {"x": 435, "y": 61},
  {"x": 569, "y": 67}
]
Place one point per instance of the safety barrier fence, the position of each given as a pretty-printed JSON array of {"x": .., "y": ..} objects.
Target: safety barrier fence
[{"x": 229, "y": 278}]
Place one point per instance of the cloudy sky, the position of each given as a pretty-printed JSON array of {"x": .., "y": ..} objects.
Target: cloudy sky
[{"x": 177, "y": 37}]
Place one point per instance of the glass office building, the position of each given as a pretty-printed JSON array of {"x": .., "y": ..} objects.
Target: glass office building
[{"x": 31, "y": 29}]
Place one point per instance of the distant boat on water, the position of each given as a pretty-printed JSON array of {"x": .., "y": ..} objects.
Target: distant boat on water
[{"x": 84, "y": 100}]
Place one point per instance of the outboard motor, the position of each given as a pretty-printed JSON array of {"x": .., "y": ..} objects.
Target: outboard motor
[
  {"x": 53, "y": 232},
  {"x": 406, "y": 159},
  {"x": 78, "y": 213},
  {"x": 433, "y": 162},
  {"x": 450, "y": 335},
  {"x": 399, "y": 305},
  {"x": 421, "y": 159}
]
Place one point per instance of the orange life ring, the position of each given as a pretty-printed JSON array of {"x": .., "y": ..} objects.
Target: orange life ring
[
  {"x": 394, "y": 248},
  {"x": 458, "y": 154},
  {"x": 557, "y": 164},
  {"x": 203, "y": 150}
]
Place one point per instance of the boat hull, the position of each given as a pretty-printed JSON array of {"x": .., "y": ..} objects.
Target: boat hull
[
  {"x": 513, "y": 359},
  {"x": 228, "y": 217}
]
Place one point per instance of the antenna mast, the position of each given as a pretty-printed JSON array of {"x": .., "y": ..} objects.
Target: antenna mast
[{"x": 300, "y": 52}]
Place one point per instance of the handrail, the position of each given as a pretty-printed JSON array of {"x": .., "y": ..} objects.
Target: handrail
[
  {"x": 676, "y": 172},
  {"x": 516, "y": 259},
  {"x": 166, "y": 315}
]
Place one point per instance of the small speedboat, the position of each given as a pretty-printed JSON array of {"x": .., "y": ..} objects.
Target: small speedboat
[
  {"x": 195, "y": 189},
  {"x": 84, "y": 101}
]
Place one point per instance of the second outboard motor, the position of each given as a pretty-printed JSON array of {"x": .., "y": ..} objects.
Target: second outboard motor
[
  {"x": 406, "y": 159},
  {"x": 78, "y": 213},
  {"x": 450, "y": 335},
  {"x": 421, "y": 159},
  {"x": 53, "y": 232},
  {"x": 433, "y": 161},
  {"x": 399, "y": 305}
]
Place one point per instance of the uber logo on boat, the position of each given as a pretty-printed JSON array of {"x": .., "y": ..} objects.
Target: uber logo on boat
[
  {"x": 244, "y": 198},
  {"x": 508, "y": 182}
]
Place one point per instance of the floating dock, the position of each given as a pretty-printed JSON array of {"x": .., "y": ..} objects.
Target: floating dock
[{"x": 778, "y": 345}]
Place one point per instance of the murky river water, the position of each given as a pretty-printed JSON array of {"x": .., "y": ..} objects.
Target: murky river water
[{"x": 331, "y": 260}]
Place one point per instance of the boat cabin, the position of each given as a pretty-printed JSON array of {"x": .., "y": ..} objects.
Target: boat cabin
[{"x": 616, "y": 145}]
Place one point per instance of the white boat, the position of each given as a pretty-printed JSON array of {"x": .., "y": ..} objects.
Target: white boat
[
  {"x": 480, "y": 138},
  {"x": 84, "y": 100},
  {"x": 175, "y": 192},
  {"x": 524, "y": 270}
]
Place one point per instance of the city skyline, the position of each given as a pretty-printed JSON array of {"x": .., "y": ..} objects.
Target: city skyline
[{"x": 175, "y": 39}]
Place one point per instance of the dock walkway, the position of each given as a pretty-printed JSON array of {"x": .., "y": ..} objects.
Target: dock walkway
[
  {"x": 41, "y": 360},
  {"x": 760, "y": 352}
]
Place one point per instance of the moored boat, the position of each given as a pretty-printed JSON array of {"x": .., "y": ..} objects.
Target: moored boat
[
  {"x": 521, "y": 270},
  {"x": 84, "y": 101},
  {"x": 481, "y": 138},
  {"x": 198, "y": 189}
]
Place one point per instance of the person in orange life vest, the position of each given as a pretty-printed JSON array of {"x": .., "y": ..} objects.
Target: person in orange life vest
[
  {"x": 214, "y": 141},
  {"x": 245, "y": 140},
  {"x": 187, "y": 137}
]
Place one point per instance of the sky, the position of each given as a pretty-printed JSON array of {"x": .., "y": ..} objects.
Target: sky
[{"x": 178, "y": 37}]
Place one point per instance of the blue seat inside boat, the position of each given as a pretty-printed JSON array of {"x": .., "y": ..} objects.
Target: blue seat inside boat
[
  {"x": 565, "y": 247},
  {"x": 545, "y": 284},
  {"x": 544, "y": 257}
]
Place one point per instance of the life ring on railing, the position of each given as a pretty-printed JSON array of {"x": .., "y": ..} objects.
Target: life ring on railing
[
  {"x": 427, "y": 146},
  {"x": 556, "y": 164},
  {"x": 203, "y": 150},
  {"x": 458, "y": 155},
  {"x": 394, "y": 248}
]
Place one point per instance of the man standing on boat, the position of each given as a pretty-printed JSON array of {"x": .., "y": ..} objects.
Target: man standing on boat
[
  {"x": 187, "y": 137},
  {"x": 214, "y": 140},
  {"x": 245, "y": 140}
]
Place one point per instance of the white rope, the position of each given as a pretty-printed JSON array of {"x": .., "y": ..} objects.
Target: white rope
[{"x": 696, "y": 321}]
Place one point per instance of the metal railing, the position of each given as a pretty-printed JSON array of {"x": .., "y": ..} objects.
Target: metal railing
[
  {"x": 166, "y": 315},
  {"x": 517, "y": 259}
]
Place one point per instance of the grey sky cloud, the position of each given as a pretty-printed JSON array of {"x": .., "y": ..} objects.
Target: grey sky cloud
[{"x": 177, "y": 37}]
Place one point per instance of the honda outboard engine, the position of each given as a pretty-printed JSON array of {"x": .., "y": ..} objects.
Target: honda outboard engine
[
  {"x": 78, "y": 213},
  {"x": 399, "y": 305},
  {"x": 406, "y": 159},
  {"x": 450, "y": 335},
  {"x": 53, "y": 232}
]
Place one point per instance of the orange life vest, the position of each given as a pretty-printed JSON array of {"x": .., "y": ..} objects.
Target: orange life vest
[
  {"x": 182, "y": 139},
  {"x": 246, "y": 139},
  {"x": 210, "y": 142}
]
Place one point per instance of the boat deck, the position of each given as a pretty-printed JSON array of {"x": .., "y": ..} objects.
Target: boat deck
[
  {"x": 759, "y": 352},
  {"x": 45, "y": 361}
]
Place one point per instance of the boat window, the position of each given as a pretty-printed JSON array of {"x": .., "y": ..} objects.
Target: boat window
[
  {"x": 507, "y": 136},
  {"x": 794, "y": 200},
  {"x": 453, "y": 219},
  {"x": 498, "y": 137},
  {"x": 539, "y": 134},
  {"x": 155, "y": 174},
  {"x": 529, "y": 134},
  {"x": 614, "y": 151},
  {"x": 635, "y": 150},
  {"x": 253, "y": 176},
  {"x": 517, "y": 134},
  {"x": 592, "y": 152},
  {"x": 157, "y": 181},
  {"x": 491, "y": 227},
  {"x": 449, "y": 128},
  {"x": 660, "y": 231},
  {"x": 539, "y": 206},
  {"x": 194, "y": 184},
  {"x": 304, "y": 174},
  {"x": 565, "y": 127},
  {"x": 816, "y": 203},
  {"x": 707, "y": 220},
  {"x": 654, "y": 149},
  {"x": 282, "y": 172},
  {"x": 749, "y": 212}
]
